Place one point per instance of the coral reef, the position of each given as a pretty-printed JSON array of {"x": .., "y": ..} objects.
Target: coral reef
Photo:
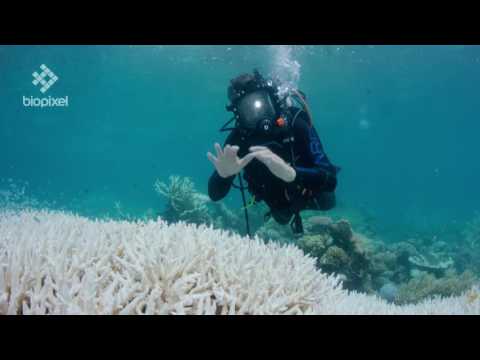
[
  {"x": 431, "y": 263},
  {"x": 405, "y": 271},
  {"x": 58, "y": 263},
  {"x": 389, "y": 292},
  {"x": 183, "y": 202},
  {"x": 272, "y": 231},
  {"x": 426, "y": 285},
  {"x": 338, "y": 251},
  {"x": 334, "y": 258},
  {"x": 363, "y": 262},
  {"x": 466, "y": 253},
  {"x": 315, "y": 245},
  {"x": 361, "y": 219},
  {"x": 319, "y": 224},
  {"x": 472, "y": 231},
  {"x": 224, "y": 218}
]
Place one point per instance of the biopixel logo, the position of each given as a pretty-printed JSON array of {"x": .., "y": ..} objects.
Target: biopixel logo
[
  {"x": 45, "y": 79},
  {"x": 40, "y": 78}
]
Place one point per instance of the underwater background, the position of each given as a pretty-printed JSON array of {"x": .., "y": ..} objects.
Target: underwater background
[{"x": 401, "y": 121}]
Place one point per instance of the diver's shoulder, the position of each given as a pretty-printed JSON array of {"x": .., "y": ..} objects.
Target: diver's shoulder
[{"x": 299, "y": 118}]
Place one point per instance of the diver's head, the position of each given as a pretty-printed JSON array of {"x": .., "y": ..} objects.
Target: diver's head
[{"x": 255, "y": 103}]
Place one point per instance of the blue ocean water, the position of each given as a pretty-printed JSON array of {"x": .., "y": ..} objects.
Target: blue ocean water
[{"x": 401, "y": 121}]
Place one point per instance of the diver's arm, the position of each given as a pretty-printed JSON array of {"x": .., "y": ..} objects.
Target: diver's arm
[
  {"x": 316, "y": 178},
  {"x": 219, "y": 186},
  {"x": 274, "y": 163},
  {"x": 322, "y": 175}
]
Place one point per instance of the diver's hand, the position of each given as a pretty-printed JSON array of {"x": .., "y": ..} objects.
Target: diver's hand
[
  {"x": 275, "y": 163},
  {"x": 227, "y": 162}
]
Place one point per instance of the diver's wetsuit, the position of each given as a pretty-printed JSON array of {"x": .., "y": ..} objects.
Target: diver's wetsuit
[{"x": 315, "y": 174}]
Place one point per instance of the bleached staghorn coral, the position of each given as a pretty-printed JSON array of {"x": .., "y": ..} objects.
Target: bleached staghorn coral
[
  {"x": 184, "y": 203},
  {"x": 59, "y": 263}
]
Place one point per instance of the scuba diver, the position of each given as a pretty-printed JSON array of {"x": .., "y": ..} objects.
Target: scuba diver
[{"x": 275, "y": 144}]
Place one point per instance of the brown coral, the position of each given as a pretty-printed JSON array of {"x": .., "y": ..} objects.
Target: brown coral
[
  {"x": 315, "y": 245},
  {"x": 428, "y": 286},
  {"x": 335, "y": 259},
  {"x": 342, "y": 233}
]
